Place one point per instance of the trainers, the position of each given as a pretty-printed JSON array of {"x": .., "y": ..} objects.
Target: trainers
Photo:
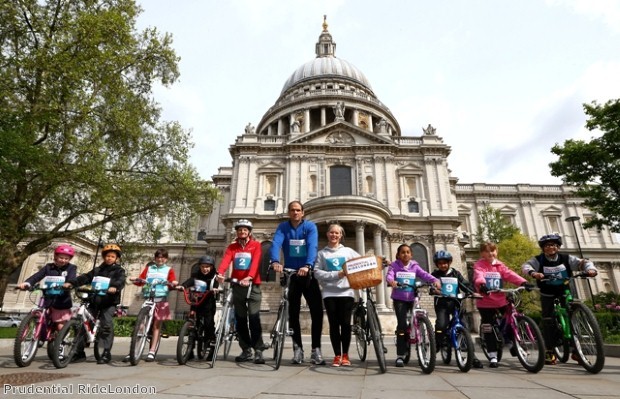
[
  {"x": 494, "y": 363},
  {"x": 345, "y": 360},
  {"x": 400, "y": 362},
  {"x": 317, "y": 357},
  {"x": 150, "y": 357},
  {"x": 258, "y": 357},
  {"x": 210, "y": 352},
  {"x": 550, "y": 359},
  {"x": 337, "y": 361},
  {"x": 477, "y": 364},
  {"x": 126, "y": 359},
  {"x": 106, "y": 357},
  {"x": 513, "y": 350},
  {"x": 298, "y": 355},
  {"x": 78, "y": 357},
  {"x": 245, "y": 356}
]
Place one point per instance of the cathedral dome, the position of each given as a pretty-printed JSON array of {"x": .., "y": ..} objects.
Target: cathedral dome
[{"x": 326, "y": 67}]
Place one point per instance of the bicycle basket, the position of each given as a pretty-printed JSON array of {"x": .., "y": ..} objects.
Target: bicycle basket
[{"x": 364, "y": 272}]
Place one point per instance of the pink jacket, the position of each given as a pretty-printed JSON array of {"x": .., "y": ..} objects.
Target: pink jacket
[{"x": 497, "y": 274}]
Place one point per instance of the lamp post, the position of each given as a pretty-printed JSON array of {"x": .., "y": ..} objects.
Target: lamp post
[{"x": 573, "y": 219}]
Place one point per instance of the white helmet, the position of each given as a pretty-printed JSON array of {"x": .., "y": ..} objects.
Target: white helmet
[{"x": 244, "y": 223}]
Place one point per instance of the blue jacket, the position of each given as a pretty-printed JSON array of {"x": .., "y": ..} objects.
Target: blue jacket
[{"x": 299, "y": 245}]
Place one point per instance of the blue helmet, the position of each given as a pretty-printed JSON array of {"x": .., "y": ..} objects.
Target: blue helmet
[
  {"x": 442, "y": 255},
  {"x": 555, "y": 238}
]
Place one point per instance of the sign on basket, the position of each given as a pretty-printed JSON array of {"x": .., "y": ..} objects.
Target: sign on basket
[{"x": 364, "y": 272}]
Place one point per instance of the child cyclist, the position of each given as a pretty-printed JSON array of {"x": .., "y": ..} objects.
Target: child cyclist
[
  {"x": 59, "y": 271},
  {"x": 452, "y": 281},
  {"x": 489, "y": 274},
  {"x": 551, "y": 263},
  {"x": 158, "y": 270},
  {"x": 405, "y": 270},
  {"x": 203, "y": 280},
  {"x": 109, "y": 279}
]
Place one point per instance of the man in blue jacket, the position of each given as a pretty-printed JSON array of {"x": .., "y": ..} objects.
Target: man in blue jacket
[{"x": 298, "y": 240}]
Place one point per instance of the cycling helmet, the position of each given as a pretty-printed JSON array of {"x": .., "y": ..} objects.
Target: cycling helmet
[
  {"x": 111, "y": 247},
  {"x": 550, "y": 238},
  {"x": 64, "y": 249},
  {"x": 442, "y": 255},
  {"x": 244, "y": 223},
  {"x": 206, "y": 259}
]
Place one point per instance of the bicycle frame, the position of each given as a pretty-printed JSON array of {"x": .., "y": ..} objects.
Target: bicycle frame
[{"x": 281, "y": 329}]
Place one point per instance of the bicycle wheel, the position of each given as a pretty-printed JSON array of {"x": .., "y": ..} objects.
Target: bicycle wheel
[
  {"x": 587, "y": 338},
  {"x": 202, "y": 345},
  {"x": 464, "y": 351},
  {"x": 231, "y": 335},
  {"x": 67, "y": 342},
  {"x": 530, "y": 344},
  {"x": 280, "y": 334},
  {"x": 359, "y": 330},
  {"x": 374, "y": 327},
  {"x": 219, "y": 332},
  {"x": 498, "y": 339},
  {"x": 98, "y": 347},
  {"x": 140, "y": 335},
  {"x": 26, "y": 342},
  {"x": 562, "y": 344},
  {"x": 425, "y": 347},
  {"x": 185, "y": 342},
  {"x": 445, "y": 348}
]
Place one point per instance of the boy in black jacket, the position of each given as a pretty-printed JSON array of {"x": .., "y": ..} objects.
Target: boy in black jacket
[
  {"x": 451, "y": 282},
  {"x": 202, "y": 280},
  {"x": 108, "y": 279}
]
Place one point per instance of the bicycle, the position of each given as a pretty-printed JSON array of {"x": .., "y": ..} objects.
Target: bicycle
[
  {"x": 367, "y": 328},
  {"x": 515, "y": 327},
  {"x": 457, "y": 336},
  {"x": 223, "y": 325},
  {"x": 420, "y": 332},
  {"x": 577, "y": 328},
  {"x": 37, "y": 328},
  {"x": 281, "y": 329},
  {"x": 144, "y": 321},
  {"x": 192, "y": 332},
  {"x": 82, "y": 330}
]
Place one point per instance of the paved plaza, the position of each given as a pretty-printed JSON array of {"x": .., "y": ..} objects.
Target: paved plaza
[{"x": 165, "y": 379}]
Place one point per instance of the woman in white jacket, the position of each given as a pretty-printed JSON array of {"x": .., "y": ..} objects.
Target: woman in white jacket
[{"x": 338, "y": 296}]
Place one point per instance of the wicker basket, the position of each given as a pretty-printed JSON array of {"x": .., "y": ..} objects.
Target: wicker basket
[{"x": 364, "y": 272}]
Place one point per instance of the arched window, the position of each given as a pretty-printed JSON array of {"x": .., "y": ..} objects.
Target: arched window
[
  {"x": 414, "y": 207},
  {"x": 420, "y": 255}
]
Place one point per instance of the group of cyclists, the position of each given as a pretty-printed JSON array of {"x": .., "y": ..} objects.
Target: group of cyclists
[{"x": 320, "y": 278}]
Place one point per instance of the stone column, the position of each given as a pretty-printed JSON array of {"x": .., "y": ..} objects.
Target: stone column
[
  {"x": 323, "y": 117},
  {"x": 386, "y": 253},
  {"x": 306, "y": 120},
  {"x": 356, "y": 119},
  {"x": 379, "y": 252},
  {"x": 359, "y": 237},
  {"x": 280, "y": 127}
]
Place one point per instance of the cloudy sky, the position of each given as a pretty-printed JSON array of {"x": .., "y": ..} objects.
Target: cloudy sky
[{"x": 502, "y": 81}]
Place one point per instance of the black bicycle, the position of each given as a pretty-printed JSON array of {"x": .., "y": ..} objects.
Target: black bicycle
[
  {"x": 193, "y": 332},
  {"x": 280, "y": 329},
  {"x": 367, "y": 328}
]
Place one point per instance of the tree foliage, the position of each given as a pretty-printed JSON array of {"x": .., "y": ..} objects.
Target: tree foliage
[
  {"x": 83, "y": 149},
  {"x": 493, "y": 226},
  {"x": 594, "y": 167}
]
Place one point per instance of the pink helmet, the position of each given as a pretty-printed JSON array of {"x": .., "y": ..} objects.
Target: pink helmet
[{"x": 64, "y": 249}]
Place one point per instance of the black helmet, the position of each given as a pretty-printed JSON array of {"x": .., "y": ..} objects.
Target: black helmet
[
  {"x": 442, "y": 255},
  {"x": 243, "y": 223},
  {"x": 550, "y": 238},
  {"x": 206, "y": 259}
]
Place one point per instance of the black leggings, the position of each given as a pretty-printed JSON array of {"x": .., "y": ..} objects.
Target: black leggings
[
  {"x": 339, "y": 309},
  {"x": 309, "y": 288}
]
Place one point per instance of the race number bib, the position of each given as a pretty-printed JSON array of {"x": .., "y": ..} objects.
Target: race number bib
[
  {"x": 406, "y": 278},
  {"x": 334, "y": 264},
  {"x": 100, "y": 284},
  {"x": 297, "y": 248},
  {"x": 200, "y": 286},
  {"x": 449, "y": 286},
  {"x": 493, "y": 280},
  {"x": 556, "y": 273},
  {"x": 53, "y": 284},
  {"x": 242, "y": 261}
]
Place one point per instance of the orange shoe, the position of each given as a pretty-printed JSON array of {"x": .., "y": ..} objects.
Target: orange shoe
[
  {"x": 345, "y": 360},
  {"x": 337, "y": 361}
]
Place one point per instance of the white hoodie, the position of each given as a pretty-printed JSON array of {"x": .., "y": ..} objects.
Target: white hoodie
[{"x": 329, "y": 262}]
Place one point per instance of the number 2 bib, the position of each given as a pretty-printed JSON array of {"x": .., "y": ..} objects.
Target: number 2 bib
[{"x": 242, "y": 261}]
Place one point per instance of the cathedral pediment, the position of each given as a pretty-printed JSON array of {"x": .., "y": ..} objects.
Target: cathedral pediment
[{"x": 340, "y": 133}]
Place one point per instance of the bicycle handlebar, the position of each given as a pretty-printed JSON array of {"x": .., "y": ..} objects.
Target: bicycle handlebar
[{"x": 572, "y": 277}]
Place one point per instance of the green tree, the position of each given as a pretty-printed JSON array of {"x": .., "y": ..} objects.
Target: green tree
[
  {"x": 493, "y": 226},
  {"x": 515, "y": 251},
  {"x": 594, "y": 167},
  {"x": 82, "y": 146}
]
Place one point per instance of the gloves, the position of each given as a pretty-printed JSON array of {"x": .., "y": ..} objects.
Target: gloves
[
  {"x": 528, "y": 287},
  {"x": 484, "y": 289}
]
